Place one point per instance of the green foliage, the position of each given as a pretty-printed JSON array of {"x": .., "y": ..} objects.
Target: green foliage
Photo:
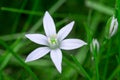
[{"x": 18, "y": 17}]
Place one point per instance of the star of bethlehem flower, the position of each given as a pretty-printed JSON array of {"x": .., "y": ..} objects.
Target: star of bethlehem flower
[{"x": 53, "y": 42}]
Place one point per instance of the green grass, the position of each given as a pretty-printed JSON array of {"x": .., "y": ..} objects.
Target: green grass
[{"x": 20, "y": 17}]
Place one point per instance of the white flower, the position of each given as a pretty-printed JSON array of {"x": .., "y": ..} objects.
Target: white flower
[
  {"x": 94, "y": 46},
  {"x": 113, "y": 27},
  {"x": 53, "y": 42}
]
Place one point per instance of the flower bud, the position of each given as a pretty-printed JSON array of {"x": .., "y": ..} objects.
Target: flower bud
[
  {"x": 111, "y": 27},
  {"x": 94, "y": 46}
]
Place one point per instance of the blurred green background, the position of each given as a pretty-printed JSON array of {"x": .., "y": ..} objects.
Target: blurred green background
[{"x": 18, "y": 17}]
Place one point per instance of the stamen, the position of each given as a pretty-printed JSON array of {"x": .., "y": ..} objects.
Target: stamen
[{"x": 53, "y": 42}]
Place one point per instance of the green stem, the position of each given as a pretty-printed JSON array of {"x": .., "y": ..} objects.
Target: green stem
[
  {"x": 118, "y": 17},
  {"x": 18, "y": 17},
  {"x": 81, "y": 68},
  {"x": 0, "y": 74},
  {"x": 106, "y": 62},
  {"x": 117, "y": 7},
  {"x": 96, "y": 64},
  {"x": 19, "y": 59},
  {"x": 28, "y": 12},
  {"x": 35, "y": 5},
  {"x": 51, "y": 10},
  {"x": 10, "y": 37},
  {"x": 114, "y": 73},
  {"x": 100, "y": 7}
]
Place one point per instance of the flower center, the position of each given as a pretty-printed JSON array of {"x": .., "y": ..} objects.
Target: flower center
[{"x": 53, "y": 42}]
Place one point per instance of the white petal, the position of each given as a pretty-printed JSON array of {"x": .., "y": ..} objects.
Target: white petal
[
  {"x": 37, "y": 53},
  {"x": 112, "y": 23},
  {"x": 49, "y": 25},
  {"x": 69, "y": 44},
  {"x": 37, "y": 38},
  {"x": 115, "y": 27},
  {"x": 56, "y": 56},
  {"x": 65, "y": 31},
  {"x": 94, "y": 45}
]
